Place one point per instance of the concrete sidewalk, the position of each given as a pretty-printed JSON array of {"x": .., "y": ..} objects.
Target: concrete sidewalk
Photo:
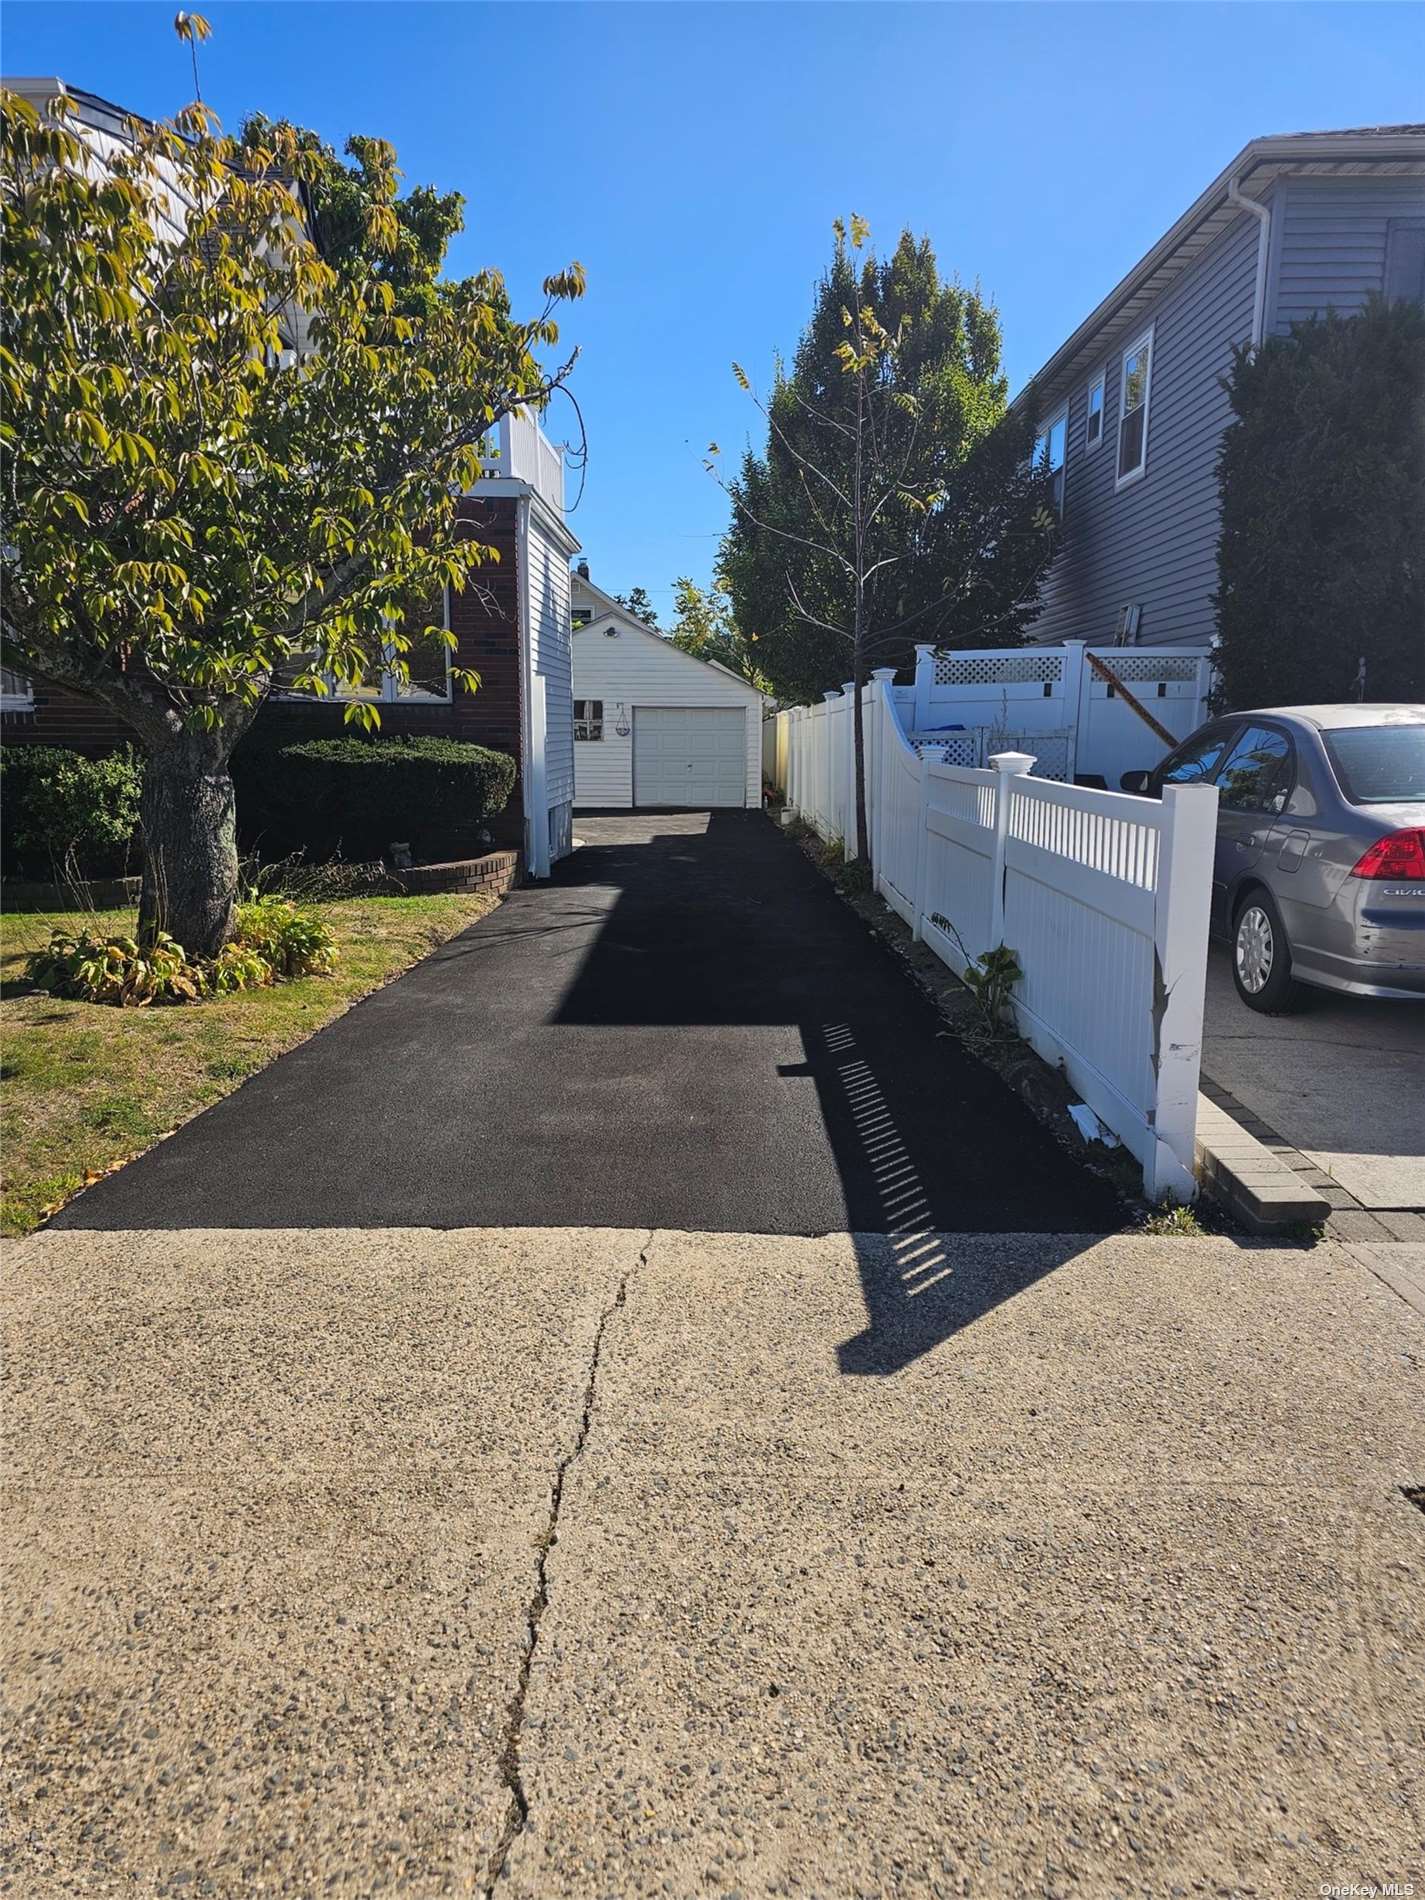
[{"x": 599, "y": 1562}]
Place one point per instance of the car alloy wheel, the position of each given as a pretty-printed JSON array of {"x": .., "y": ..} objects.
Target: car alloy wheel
[{"x": 1255, "y": 949}]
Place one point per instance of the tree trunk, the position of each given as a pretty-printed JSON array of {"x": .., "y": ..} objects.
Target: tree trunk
[
  {"x": 190, "y": 867},
  {"x": 858, "y": 735}
]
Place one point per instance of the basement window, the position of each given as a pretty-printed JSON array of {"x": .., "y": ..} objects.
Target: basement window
[{"x": 588, "y": 719}]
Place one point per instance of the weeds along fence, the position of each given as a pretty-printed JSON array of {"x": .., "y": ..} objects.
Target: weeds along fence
[{"x": 1102, "y": 897}]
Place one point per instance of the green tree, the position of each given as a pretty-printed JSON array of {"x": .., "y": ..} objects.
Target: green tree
[
  {"x": 346, "y": 197},
  {"x": 897, "y": 501},
  {"x": 188, "y": 519},
  {"x": 639, "y": 605},
  {"x": 707, "y": 628},
  {"x": 955, "y": 542},
  {"x": 1321, "y": 555}
]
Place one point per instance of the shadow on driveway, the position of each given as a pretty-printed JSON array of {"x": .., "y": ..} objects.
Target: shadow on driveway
[{"x": 685, "y": 1028}]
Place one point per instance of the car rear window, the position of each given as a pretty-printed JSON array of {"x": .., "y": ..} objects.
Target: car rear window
[{"x": 1379, "y": 765}]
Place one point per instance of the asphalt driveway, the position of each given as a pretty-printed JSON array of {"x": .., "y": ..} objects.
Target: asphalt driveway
[{"x": 685, "y": 1028}]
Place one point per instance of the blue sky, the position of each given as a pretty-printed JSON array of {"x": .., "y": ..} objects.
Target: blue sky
[{"x": 693, "y": 156}]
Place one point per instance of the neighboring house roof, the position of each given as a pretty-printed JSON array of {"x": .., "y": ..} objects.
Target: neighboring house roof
[{"x": 1367, "y": 151}]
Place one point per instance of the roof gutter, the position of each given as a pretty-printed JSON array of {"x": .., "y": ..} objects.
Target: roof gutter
[
  {"x": 1385, "y": 148},
  {"x": 1263, "y": 214}
]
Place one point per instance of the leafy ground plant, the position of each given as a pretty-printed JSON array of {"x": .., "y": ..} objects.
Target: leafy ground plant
[
  {"x": 275, "y": 942},
  {"x": 1173, "y": 1220},
  {"x": 86, "y": 1088}
]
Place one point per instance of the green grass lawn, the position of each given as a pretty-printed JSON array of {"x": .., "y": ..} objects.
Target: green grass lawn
[{"x": 86, "y": 1086}]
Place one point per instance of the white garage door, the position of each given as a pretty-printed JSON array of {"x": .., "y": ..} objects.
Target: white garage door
[{"x": 689, "y": 755}]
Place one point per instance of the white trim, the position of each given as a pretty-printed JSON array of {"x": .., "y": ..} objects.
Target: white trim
[
  {"x": 1099, "y": 382},
  {"x": 1143, "y": 340}
]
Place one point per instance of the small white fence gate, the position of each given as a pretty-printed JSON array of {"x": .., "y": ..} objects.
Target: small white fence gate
[{"x": 1102, "y": 897}]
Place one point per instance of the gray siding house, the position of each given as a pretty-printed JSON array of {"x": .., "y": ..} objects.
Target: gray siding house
[{"x": 1132, "y": 407}]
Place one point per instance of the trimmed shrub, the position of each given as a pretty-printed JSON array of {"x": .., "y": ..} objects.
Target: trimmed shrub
[
  {"x": 65, "y": 815},
  {"x": 1322, "y": 475},
  {"x": 353, "y": 798}
]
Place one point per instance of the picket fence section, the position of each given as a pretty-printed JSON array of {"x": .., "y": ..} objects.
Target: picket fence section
[{"x": 1102, "y": 897}]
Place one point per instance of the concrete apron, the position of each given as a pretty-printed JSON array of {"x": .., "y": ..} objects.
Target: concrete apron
[{"x": 593, "y": 1562}]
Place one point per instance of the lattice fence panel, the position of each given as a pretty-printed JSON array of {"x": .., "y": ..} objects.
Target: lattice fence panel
[
  {"x": 1050, "y": 751},
  {"x": 961, "y": 748},
  {"x": 997, "y": 669},
  {"x": 1131, "y": 667}
]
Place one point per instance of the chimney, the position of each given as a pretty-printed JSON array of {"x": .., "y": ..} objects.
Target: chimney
[{"x": 582, "y": 570}]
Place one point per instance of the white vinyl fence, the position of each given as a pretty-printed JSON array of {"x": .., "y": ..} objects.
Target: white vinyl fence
[
  {"x": 1102, "y": 897},
  {"x": 1049, "y": 701}
]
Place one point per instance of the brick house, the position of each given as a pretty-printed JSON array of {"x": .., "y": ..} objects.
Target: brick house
[{"x": 513, "y": 630}]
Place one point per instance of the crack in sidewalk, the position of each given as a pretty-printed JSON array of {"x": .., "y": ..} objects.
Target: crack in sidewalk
[{"x": 510, "y": 1763}]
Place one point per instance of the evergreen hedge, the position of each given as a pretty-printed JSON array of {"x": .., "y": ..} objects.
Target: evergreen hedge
[
  {"x": 353, "y": 798},
  {"x": 63, "y": 814},
  {"x": 1321, "y": 558}
]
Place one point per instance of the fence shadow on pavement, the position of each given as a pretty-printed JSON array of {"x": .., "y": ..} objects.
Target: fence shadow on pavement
[{"x": 926, "y": 1142}]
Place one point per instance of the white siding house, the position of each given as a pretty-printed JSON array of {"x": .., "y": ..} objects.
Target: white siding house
[{"x": 652, "y": 725}]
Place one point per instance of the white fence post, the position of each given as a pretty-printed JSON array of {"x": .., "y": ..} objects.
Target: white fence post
[
  {"x": 882, "y": 708},
  {"x": 1009, "y": 765},
  {"x": 929, "y": 755},
  {"x": 1180, "y": 916},
  {"x": 1072, "y": 687},
  {"x": 848, "y": 777},
  {"x": 924, "y": 680}
]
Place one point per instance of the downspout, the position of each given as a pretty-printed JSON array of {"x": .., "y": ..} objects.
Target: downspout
[
  {"x": 1263, "y": 214},
  {"x": 536, "y": 859}
]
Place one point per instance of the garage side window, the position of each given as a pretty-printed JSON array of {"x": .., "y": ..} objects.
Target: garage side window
[{"x": 588, "y": 719}]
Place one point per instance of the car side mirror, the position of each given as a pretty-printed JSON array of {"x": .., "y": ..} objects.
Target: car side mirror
[{"x": 1136, "y": 782}]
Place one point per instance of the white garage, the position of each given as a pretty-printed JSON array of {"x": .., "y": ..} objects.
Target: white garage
[{"x": 652, "y": 725}]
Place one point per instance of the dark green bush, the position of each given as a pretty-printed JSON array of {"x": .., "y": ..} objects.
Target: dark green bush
[
  {"x": 1322, "y": 473},
  {"x": 65, "y": 815},
  {"x": 353, "y": 798}
]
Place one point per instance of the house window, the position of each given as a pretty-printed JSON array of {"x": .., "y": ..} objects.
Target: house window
[
  {"x": 1405, "y": 260},
  {"x": 588, "y": 719},
  {"x": 427, "y": 659},
  {"x": 17, "y": 695},
  {"x": 1049, "y": 449},
  {"x": 580, "y": 617},
  {"x": 1093, "y": 420},
  {"x": 1133, "y": 409}
]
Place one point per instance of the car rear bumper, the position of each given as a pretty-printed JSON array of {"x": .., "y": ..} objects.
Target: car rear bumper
[{"x": 1387, "y": 956}]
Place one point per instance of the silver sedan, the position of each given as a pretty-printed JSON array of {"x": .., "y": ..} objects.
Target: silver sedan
[{"x": 1319, "y": 876}]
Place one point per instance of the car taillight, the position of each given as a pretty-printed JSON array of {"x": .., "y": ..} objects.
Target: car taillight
[{"x": 1398, "y": 854}]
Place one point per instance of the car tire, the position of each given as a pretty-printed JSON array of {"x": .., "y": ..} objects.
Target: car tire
[{"x": 1261, "y": 957}]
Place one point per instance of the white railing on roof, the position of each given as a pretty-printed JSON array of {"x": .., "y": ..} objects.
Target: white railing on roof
[
  {"x": 1103, "y": 898},
  {"x": 520, "y": 451}
]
